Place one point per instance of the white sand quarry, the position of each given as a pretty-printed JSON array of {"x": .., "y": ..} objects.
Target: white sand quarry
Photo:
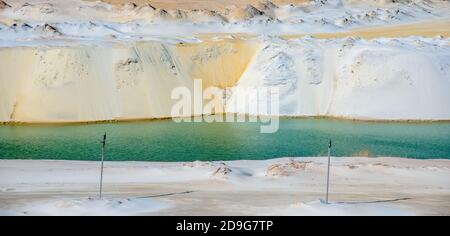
[
  {"x": 94, "y": 61},
  {"x": 287, "y": 186},
  {"x": 77, "y": 61}
]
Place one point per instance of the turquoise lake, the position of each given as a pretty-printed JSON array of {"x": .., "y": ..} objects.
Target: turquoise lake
[{"x": 164, "y": 140}]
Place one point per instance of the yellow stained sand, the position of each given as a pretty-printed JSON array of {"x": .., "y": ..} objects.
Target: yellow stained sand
[
  {"x": 218, "y": 5},
  {"x": 425, "y": 29},
  {"x": 123, "y": 81}
]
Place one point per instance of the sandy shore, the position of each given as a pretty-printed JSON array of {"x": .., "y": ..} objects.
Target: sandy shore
[
  {"x": 200, "y": 4},
  {"x": 286, "y": 186}
]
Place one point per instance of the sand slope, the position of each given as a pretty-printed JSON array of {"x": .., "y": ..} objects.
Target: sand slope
[
  {"x": 425, "y": 29},
  {"x": 73, "y": 61},
  {"x": 200, "y": 4},
  {"x": 287, "y": 186},
  {"x": 353, "y": 78},
  {"x": 399, "y": 79}
]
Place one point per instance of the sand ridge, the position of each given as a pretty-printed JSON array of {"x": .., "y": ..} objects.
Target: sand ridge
[{"x": 437, "y": 28}]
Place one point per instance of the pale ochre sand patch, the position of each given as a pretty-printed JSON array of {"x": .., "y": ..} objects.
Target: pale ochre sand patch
[
  {"x": 287, "y": 186},
  {"x": 425, "y": 29}
]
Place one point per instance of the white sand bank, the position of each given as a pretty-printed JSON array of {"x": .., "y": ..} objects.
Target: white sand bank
[
  {"x": 287, "y": 186},
  {"x": 79, "y": 61},
  {"x": 393, "y": 79}
]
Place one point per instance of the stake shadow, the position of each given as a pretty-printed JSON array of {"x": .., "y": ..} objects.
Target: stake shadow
[{"x": 166, "y": 194}]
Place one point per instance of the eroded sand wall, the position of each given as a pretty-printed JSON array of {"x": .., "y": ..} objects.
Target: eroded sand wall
[{"x": 120, "y": 81}]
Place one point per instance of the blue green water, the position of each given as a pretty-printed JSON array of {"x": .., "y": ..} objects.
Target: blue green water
[{"x": 164, "y": 140}]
